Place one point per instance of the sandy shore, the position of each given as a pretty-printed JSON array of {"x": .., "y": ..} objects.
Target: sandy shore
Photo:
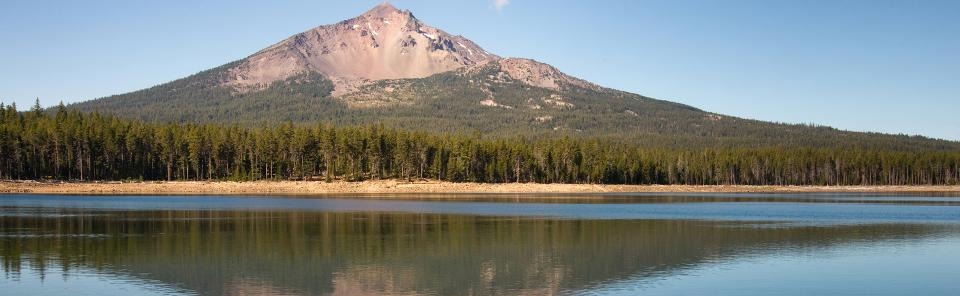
[{"x": 389, "y": 187}]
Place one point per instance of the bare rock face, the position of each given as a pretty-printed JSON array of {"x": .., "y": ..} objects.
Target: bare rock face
[
  {"x": 538, "y": 74},
  {"x": 383, "y": 43}
]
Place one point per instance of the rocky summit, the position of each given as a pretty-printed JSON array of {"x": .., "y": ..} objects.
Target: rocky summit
[{"x": 382, "y": 43}]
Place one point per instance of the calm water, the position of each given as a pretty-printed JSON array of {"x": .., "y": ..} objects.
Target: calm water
[{"x": 694, "y": 244}]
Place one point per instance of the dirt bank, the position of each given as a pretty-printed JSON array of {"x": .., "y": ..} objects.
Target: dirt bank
[{"x": 299, "y": 187}]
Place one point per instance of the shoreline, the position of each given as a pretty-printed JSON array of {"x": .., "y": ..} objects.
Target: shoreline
[{"x": 424, "y": 187}]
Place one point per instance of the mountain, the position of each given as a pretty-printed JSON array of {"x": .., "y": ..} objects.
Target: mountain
[{"x": 387, "y": 67}]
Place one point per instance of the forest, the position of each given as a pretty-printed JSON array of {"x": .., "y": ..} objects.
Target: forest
[{"x": 62, "y": 144}]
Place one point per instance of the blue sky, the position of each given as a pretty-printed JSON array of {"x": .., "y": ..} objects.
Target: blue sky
[{"x": 888, "y": 66}]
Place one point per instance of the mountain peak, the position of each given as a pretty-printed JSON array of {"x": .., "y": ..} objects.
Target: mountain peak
[
  {"x": 382, "y": 10},
  {"x": 382, "y": 43}
]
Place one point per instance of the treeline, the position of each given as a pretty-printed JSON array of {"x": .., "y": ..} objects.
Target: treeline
[{"x": 70, "y": 145}]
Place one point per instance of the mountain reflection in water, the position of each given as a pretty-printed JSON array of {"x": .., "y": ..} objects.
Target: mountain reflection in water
[
  {"x": 279, "y": 246},
  {"x": 286, "y": 252}
]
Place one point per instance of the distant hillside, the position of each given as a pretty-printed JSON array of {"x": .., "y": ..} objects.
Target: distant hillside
[{"x": 479, "y": 99}]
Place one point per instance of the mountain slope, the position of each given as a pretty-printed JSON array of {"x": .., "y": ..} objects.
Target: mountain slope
[{"x": 387, "y": 67}]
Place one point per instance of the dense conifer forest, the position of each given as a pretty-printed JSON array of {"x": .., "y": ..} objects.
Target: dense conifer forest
[{"x": 65, "y": 144}]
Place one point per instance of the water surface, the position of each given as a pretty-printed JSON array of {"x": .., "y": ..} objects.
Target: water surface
[{"x": 650, "y": 244}]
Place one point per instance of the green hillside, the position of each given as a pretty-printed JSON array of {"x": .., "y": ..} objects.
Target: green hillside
[{"x": 450, "y": 103}]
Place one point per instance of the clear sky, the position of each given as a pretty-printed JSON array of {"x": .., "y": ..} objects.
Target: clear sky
[{"x": 871, "y": 65}]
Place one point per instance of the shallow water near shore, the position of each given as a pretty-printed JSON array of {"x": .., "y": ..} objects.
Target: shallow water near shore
[{"x": 615, "y": 244}]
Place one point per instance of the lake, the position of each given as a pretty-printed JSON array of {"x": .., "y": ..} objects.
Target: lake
[{"x": 624, "y": 244}]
